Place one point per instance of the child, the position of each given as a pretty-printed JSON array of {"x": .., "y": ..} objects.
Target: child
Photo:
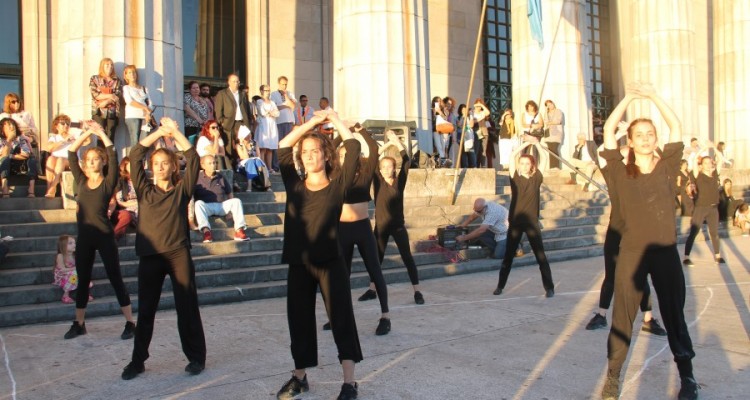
[
  {"x": 65, "y": 267},
  {"x": 742, "y": 219}
]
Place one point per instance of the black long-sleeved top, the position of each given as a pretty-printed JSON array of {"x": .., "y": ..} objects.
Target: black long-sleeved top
[
  {"x": 524, "y": 204},
  {"x": 707, "y": 189},
  {"x": 93, "y": 203},
  {"x": 616, "y": 222},
  {"x": 162, "y": 216},
  {"x": 360, "y": 190},
  {"x": 646, "y": 202},
  {"x": 389, "y": 199},
  {"x": 311, "y": 218}
]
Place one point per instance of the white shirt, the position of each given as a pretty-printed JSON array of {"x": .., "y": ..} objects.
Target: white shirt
[
  {"x": 130, "y": 94},
  {"x": 238, "y": 112}
]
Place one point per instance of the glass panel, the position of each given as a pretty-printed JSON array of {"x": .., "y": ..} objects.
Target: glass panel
[
  {"x": 491, "y": 30},
  {"x": 492, "y": 74},
  {"x": 503, "y": 46},
  {"x": 491, "y": 45},
  {"x": 492, "y": 60},
  {"x": 504, "y": 76},
  {"x": 10, "y": 32},
  {"x": 9, "y": 84},
  {"x": 490, "y": 15},
  {"x": 214, "y": 38},
  {"x": 504, "y": 61}
]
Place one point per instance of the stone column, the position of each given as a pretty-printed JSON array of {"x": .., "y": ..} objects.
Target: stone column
[
  {"x": 559, "y": 71},
  {"x": 731, "y": 56},
  {"x": 145, "y": 33},
  {"x": 380, "y": 62}
]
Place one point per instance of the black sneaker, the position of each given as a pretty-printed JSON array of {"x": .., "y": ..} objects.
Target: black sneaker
[
  {"x": 128, "y": 332},
  {"x": 686, "y": 262},
  {"x": 653, "y": 328},
  {"x": 498, "y": 291},
  {"x": 597, "y": 322},
  {"x": 327, "y": 326},
  {"x": 384, "y": 326},
  {"x": 195, "y": 367},
  {"x": 292, "y": 388},
  {"x": 132, "y": 370},
  {"x": 549, "y": 293},
  {"x": 611, "y": 389},
  {"x": 418, "y": 298},
  {"x": 720, "y": 260},
  {"x": 75, "y": 330},
  {"x": 689, "y": 389},
  {"x": 348, "y": 391},
  {"x": 368, "y": 295}
]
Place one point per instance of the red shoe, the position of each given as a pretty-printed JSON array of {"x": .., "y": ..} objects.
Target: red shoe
[
  {"x": 240, "y": 235},
  {"x": 66, "y": 299},
  {"x": 207, "y": 236}
]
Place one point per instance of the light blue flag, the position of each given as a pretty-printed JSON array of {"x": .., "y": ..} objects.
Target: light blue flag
[{"x": 534, "y": 13}]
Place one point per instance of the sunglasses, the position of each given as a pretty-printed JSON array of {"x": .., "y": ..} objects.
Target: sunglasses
[
  {"x": 63, "y": 123},
  {"x": 14, "y": 102},
  {"x": 213, "y": 127}
]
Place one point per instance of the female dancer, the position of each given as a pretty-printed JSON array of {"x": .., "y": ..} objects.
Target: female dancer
[
  {"x": 706, "y": 209},
  {"x": 310, "y": 227},
  {"x": 355, "y": 228},
  {"x": 94, "y": 229},
  {"x": 163, "y": 245},
  {"x": 524, "y": 217},
  {"x": 649, "y": 242},
  {"x": 685, "y": 190},
  {"x": 389, "y": 212}
]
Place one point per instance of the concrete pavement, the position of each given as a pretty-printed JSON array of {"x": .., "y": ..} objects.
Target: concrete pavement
[{"x": 463, "y": 343}]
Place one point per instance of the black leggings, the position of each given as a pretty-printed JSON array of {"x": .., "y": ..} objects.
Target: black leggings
[
  {"x": 302, "y": 283},
  {"x": 151, "y": 272},
  {"x": 86, "y": 246},
  {"x": 360, "y": 233},
  {"x": 611, "y": 252},
  {"x": 109, "y": 125},
  {"x": 534, "y": 235},
  {"x": 709, "y": 214},
  {"x": 401, "y": 237},
  {"x": 663, "y": 264}
]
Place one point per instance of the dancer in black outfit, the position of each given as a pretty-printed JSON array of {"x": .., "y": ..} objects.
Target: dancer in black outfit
[
  {"x": 163, "y": 245},
  {"x": 311, "y": 221},
  {"x": 94, "y": 228},
  {"x": 355, "y": 228},
  {"x": 524, "y": 218},
  {"x": 611, "y": 252},
  {"x": 645, "y": 187},
  {"x": 706, "y": 209},
  {"x": 685, "y": 190},
  {"x": 389, "y": 212}
]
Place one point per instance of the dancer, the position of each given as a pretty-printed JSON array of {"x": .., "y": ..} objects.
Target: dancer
[
  {"x": 311, "y": 222},
  {"x": 706, "y": 198},
  {"x": 355, "y": 228},
  {"x": 524, "y": 217},
  {"x": 163, "y": 245},
  {"x": 389, "y": 212},
  {"x": 94, "y": 229},
  {"x": 649, "y": 243}
]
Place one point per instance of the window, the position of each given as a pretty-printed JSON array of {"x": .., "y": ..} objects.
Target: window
[
  {"x": 10, "y": 56},
  {"x": 601, "y": 78},
  {"x": 497, "y": 57},
  {"x": 214, "y": 40}
]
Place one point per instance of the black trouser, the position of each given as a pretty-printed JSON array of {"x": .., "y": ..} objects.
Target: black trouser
[
  {"x": 401, "y": 237},
  {"x": 109, "y": 125},
  {"x": 709, "y": 214},
  {"x": 360, "y": 233},
  {"x": 86, "y": 246},
  {"x": 333, "y": 280},
  {"x": 229, "y": 136},
  {"x": 515, "y": 231},
  {"x": 554, "y": 147},
  {"x": 151, "y": 272},
  {"x": 611, "y": 252},
  {"x": 663, "y": 264}
]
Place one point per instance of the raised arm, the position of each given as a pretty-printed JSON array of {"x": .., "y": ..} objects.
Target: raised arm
[
  {"x": 293, "y": 137},
  {"x": 610, "y": 127}
]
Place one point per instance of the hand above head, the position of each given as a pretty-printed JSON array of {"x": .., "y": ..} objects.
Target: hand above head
[
  {"x": 642, "y": 90},
  {"x": 391, "y": 135},
  {"x": 169, "y": 125}
]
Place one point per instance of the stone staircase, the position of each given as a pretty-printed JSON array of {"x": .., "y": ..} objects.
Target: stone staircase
[{"x": 573, "y": 222}]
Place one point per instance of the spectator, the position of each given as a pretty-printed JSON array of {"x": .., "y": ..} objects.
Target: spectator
[
  {"x": 138, "y": 105},
  {"x": 532, "y": 123},
  {"x": 325, "y": 128},
  {"x": 64, "y": 270},
  {"x": 57, "y": 145},
  {"x": 252, "y": 167},
  {"x": 213, "y": 196},
  {"x": 723, "y": 157},
  {"x": 13, "y": 108},
  {"x": 106, "y": 89},
  {"x": 124, "y": 212},
  {"x": 304, "y": 112},
  {"x": 232, "y": 110},
  {"x": 742, "y": 219},
  {"x": 727, "y": 203},
  {"x": 493, "y": 231},
  {"x": 508, "y": 138},
  {"x": 465, "y": 133},
  {"x": 584, "y": 160},
  {"x": 267, "y": 135},
  {"x": 553, "y": 122},
  {"x": 481, "y": 115},
  {"x": 685, "y": 190},
  {"x": 210, "y": 143},
  {"x": 286, "y": 103},
  {"x": 206, "y": 95},
  {"x": 196, "y": 111},
  {"x": 15, "y": 155}
]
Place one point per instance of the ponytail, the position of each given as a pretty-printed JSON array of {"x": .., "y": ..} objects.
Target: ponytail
[{"x": 631, "y": 169}]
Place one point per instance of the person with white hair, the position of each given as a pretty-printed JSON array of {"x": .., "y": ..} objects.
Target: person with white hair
[{"x": 584, "y": 159}]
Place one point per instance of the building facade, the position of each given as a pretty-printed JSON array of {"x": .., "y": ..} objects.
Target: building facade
[{"x": 385, "y": 59}]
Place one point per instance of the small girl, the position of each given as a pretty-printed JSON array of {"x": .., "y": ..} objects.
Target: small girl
[{"x": 65, "y": 267}]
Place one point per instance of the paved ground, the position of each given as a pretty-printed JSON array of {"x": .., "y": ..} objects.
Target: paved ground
[{"x": 464, "y": 343}]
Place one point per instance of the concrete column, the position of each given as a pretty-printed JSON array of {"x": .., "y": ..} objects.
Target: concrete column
[
  {"x": 36, "y": 64},
  {"x": 145, "y": 33},
  {"x": 731, "y": 27},
  {"x": 559, "y": 71},
  {"x": 380, "y": 66}
]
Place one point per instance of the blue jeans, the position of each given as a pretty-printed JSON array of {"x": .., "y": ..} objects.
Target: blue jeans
[
  {"x": 134, "y": 129},
  {"x": 497, "y": 249},
  {"x": 6, "y": 161}
]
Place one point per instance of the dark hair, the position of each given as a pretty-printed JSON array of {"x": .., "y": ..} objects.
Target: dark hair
[
  {"x": 98, "y": 150},
  {"x": 303, "y": 97},
  {"x": 532, "y": 160},
  {"x": 742, "y": 207},
  {"x": 172, "y": 160},
  {"x": 206, "y": 130},
  {"x": 328, "y": 151},
  {"x": 191, "y": 83},
  {"x": 325, "y": 98},
  {"x": 202, "y": 85},
  {"x": 6, "y": 121},
  {"x": 461, "y": 109},
  {"x": 531, "y": 103},
  {"x": 631, "y": 168},
  {"x": 58, "y": 119},
  {"x": 693, "y": 140},
  {"x": 124, "y": 174}
]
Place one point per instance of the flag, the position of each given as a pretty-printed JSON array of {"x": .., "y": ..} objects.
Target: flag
[{"x": 534, "y": 12}]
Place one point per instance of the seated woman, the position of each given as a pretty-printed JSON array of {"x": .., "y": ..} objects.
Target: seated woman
[
  {"x": 57, "y": 145},
  {"x": 13, "y": 108},
  {"x": 211, "y": 143},
  {"x": 124, "y": 207},
  {"x": 15, "y": 155}
]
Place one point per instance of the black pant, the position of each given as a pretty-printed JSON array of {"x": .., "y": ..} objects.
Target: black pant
[
  {"x": 663, "y": 264},
  {"x": 151, "y": 272},
  {"x": 109, "y": 125},
  {"x": 229, "y": 136},
  {"x": 360, "y": 233},
  {"x": 709, "y": 214},
  {"x": 611, "y": 252},
  {"x": 554, "y": 147},
  {"x": 333, "y": 280},
  {"x": 86, "y": 246},
  {"x": 401, "y": 237},
  {"x": 535, "y": 240}
]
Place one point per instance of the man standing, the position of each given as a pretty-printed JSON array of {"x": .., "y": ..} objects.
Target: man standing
[
  {"x": 493, "y": 231},
  {"x": 232, "y": 110},
  {"x": 327, "y": 128},
  {"x": 304, "y": 112},
  {"x": 206, "y": 94},
  {"x": 213, "y": 196},
  {"x": 553, "y": 121},
  {"x": 286, "y": 103}
]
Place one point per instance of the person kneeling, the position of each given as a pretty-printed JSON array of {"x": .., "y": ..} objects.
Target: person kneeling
[
  {"x": 492, "y": 232},
  {"x": 213, "y": 196}
]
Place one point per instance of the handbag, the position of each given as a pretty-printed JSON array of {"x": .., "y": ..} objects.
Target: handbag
[{"x": 538, "y": 132}]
